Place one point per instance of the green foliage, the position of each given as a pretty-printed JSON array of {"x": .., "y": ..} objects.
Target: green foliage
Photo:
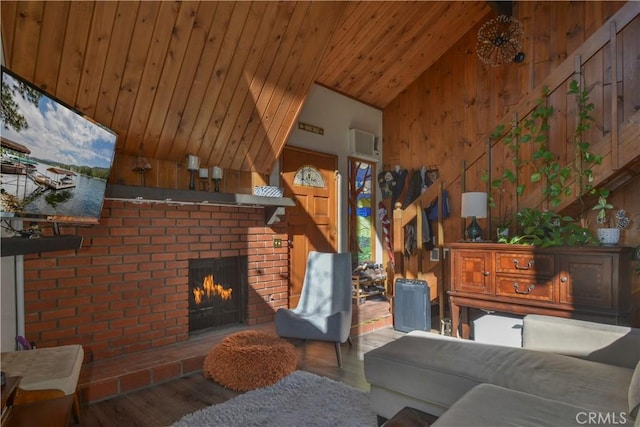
[
  {"x": 602, "y": 206},
  {"x": 9, "y": 110},
  {"x": 547, "y": 228}
]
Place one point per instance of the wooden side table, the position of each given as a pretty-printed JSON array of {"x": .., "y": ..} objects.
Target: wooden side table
[
  {"x": 410, "y": 417},
  {"x": 50, "y": 413}
]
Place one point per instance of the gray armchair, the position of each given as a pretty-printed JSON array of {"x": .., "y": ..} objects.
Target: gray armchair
[{"x": 324, "y": 310}]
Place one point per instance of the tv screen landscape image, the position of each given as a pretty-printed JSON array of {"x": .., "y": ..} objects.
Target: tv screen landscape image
[{"x": 55, "y": 161}]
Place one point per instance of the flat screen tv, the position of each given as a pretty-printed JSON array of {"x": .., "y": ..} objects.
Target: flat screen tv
[{"x": 55, "y": 160}]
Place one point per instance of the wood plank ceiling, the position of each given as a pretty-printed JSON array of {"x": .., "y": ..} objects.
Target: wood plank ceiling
[{"x": 222, "y": 80}]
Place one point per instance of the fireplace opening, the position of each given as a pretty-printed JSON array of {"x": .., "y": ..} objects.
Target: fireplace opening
[{"x": 217, "y": 292}]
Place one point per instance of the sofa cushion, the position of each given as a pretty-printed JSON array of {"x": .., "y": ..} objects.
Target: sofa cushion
[
  {"x": 452, "y": 367},
  {"x": 479, "y": 407},
  {"x": 634, "y": 393}
]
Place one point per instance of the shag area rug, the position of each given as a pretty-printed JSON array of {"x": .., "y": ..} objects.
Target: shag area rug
[{"x": 299, "y": 399}]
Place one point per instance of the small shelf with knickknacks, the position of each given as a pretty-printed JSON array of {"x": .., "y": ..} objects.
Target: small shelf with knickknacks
[{"x": 368, "y": 280}]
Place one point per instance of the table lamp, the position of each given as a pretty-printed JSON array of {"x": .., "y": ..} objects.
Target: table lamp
[{"x": 474, "y": 205}]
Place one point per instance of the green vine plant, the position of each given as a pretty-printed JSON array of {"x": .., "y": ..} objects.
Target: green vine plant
[
  {"x": 585, "y": 159},
  {"x": 544, "y": 227}
]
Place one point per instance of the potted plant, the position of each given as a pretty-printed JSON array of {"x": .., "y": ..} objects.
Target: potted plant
[{"x": 609, "y": 230}]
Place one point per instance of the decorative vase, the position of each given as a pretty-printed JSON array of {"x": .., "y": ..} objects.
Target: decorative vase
[{"x": 608, "y": 236}]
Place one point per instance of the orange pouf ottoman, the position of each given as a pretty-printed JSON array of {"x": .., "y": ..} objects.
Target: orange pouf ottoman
[{"x": 250, "y": 359}]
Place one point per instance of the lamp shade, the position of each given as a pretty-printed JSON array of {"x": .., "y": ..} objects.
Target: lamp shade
[
  {"x": 216, "y": 172},
  {"x": 203, "y": 173},
  {"x": 193, "y": 162},
  {"x": 474, "y": 204}
]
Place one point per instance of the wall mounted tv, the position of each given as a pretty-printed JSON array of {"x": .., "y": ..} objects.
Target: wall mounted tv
[{"x": 55, "y": 160}]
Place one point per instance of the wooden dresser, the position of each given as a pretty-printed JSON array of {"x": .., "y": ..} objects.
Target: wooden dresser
[{"x": 591, "y": 283}]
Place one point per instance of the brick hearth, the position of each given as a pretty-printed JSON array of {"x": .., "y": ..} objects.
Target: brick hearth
[{"x": 108, "y": 378}]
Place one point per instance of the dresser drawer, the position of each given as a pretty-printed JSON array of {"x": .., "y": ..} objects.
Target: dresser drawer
[
  {"x": 530, "y": 264},
  {"x": 528, "y": 288}
]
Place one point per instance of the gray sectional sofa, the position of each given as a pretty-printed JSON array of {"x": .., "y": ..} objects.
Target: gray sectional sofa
[{"x": 568, "y": 373}]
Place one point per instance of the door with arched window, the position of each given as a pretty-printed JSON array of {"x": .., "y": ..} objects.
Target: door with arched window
[{"x": 309, "y": 177}]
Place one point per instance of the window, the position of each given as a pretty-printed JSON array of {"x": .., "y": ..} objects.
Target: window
[{"x": 361, "y": 210}]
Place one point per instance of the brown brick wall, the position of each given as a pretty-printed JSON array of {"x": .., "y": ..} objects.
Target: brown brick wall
[{"x": 125, "y": 290}]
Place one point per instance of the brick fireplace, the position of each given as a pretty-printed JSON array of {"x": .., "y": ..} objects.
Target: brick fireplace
[
  {"x": 126, "y": 289},
  {"x": 217, "y": 292}
]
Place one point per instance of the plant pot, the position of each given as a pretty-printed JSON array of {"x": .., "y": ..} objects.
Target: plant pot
[{"x": 608, "y": 236}]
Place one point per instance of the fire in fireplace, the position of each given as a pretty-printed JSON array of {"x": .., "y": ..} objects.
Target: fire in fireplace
[{"x": 217, "y": 292}]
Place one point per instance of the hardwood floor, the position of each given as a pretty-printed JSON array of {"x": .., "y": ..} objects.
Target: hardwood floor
[{"x": 164, "y": 404}]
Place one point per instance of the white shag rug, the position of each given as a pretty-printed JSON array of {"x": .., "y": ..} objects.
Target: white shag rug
[{"x": 299, "y": 399}]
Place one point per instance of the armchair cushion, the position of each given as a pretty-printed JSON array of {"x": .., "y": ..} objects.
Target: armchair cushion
[{"x": 324, "y": 310}]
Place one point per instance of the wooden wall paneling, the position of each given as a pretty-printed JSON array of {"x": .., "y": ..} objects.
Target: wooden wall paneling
[
  {"x": 542, "y": 21},
  {"x": 267, "y": 19},
  {"x": 276, "y": 77},
  {"x": 334, "y": 70},
  {"x": 9, "y": 9},
  {"x": 206, "y": 116},
  {"x": 202, "y": 91},
  {"x": 50, "y": 45},
  {"x": 188, "y": 82},
  {"x": 574, "y": 26},
  {"x": 593, "y": 70},
  {"x": 630, "y": 61},
  {"x": 323, "y": 19},
  {"x": 150, "y": 78},
  {"x": 248, "y": 118},
  {"x": 409, "y": 17},
  {"x": 315, "y": 33},
  {"x": 133, "y": 70},
  {"x": 609, "y": 88},
  {"x": 114, "y": 66},
  {"x": 95, "y": 56},
  {"x": 558, "y": 42},
  {"x": 185, "y": 49},
  {"x": 72, "y": 61},
  {"x": 227, "y": 99},
  {"x": 29, "y": 17},
  {"x": 447, "y": 20},
  {"x": 413, "y": 24},
  {"x": 468, "y": 80},
  {"x": 560, "y": 139}
]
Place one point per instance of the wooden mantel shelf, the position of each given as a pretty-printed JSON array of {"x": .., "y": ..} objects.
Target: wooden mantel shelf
[
  {"x": 12, "y": 246},
  {"x": 138, "y": 194}
]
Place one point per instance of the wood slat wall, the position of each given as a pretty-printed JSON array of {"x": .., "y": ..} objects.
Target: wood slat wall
[
  {"x": 222, "y": 80},
  {"x": 453, "y": 107}
]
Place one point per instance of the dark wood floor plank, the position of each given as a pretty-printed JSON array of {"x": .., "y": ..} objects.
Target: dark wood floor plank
[{"x": 163, "y": 404}]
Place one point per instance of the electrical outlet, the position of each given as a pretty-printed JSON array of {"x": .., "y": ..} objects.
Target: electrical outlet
[{"x": 277, "y": 243}]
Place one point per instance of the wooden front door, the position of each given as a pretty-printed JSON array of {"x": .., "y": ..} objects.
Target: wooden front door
[{"x": 309, "y": 177}]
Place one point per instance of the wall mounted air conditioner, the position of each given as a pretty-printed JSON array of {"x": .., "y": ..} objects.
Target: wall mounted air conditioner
[{"x": 364, "y": 144}]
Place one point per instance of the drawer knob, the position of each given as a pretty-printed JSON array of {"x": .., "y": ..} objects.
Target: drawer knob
[
  {"x": 563, "y": 279},
  {"x": 486, "y": 273},
  {"x": 517, "y": 265},
  {"x": 524, "y": 292}
]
